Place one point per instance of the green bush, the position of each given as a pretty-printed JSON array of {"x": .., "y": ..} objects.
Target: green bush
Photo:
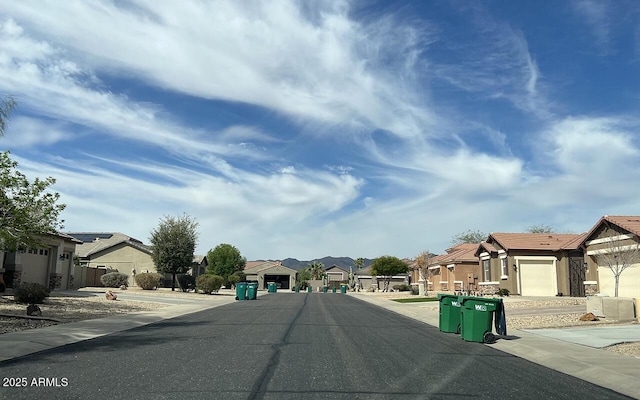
[
  {"x": 503, "y": 292},
  {"x": 186, "y": 282},
  {"x": 114, "y": 279},
  {"x": 31, "y": 293},
  {"x": 148, "y": 281},
  {"x": 209, "y": 283},
  {"x": 232, "y": 280}
]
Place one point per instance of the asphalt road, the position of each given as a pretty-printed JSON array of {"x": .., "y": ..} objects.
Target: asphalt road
[{"x": 287, "y": 346}]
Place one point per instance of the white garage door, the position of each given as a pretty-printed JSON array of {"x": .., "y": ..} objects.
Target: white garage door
[
  {"x": 629, "y": 285},
  {"x": 538, "y": 278},
  {"x": 34, "y": 268}
]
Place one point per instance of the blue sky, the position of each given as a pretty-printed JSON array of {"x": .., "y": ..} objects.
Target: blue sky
[{"x": 306, "y": 129}]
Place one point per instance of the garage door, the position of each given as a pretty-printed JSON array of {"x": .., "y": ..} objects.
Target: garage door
[
  {"x": 34, "y": 268},
  {"x": 629, "y": 285},
  {"x": 538, "y": 278}
]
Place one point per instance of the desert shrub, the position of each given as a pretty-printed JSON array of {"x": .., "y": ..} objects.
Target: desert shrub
[
  {"x": 114, "y": 279},
  {"x": 209, "y": 283},
  {"x": 186, "y": 282},
  {"x": 415, "y": 290},
  {"x": 232, "y": 280},
  {"x": 401, "y": 288},
  {"x": 31, "y": 293},
  {"x": 503, "y": 292},
  {"x": 148, "y": 280}
]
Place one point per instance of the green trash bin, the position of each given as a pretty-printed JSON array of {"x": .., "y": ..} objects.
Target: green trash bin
[
  {"x": 297, "y": 289},
  {"x": 333, "y": 289},
  {"x": 272, "y": 287},
  {"x": 309, "y": 289},
  {"x": 477, "y": 315},
  {"x": 252, "y": 291},
  {"x": 343, "y": 288},
  {"x": 241, "y": 291},
  {"x": 325, "y": 289},
  {"x": 449, "y": 310}
]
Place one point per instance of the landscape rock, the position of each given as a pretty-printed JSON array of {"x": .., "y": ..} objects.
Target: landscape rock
[
  {"x": 589, "y": 317},
  {"x": 111, "y": 296},
  {"x": 123, "y": 287},
  {"x": 34, "y": 310}
]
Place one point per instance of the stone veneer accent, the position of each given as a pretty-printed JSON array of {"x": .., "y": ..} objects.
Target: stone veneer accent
[
  {"x": 17, "y": 279},
  {"x": 488, "y": 288},
  {"x": 590, "y": 288}
]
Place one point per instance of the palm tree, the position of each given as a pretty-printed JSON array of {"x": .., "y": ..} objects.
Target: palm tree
[
  {"x": 359, "y": 262},
  {"x": 317, "y": 270}
]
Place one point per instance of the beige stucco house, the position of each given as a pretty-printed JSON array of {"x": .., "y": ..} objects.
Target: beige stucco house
[
  {"x": 456, "y": 270},
  {"x": 612, "y": 242},
  {"x": 50, "y": 265},
  {"x": 109, "y": 252},
  {"x": 534, "y": 264},
  {"x": 265, "y": 272}
]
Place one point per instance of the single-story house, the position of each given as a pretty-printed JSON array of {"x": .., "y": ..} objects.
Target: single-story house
[
  {"x": 533, "y": 264},
  {"x": 612, "y": 244},
  {"x": 102, "y": 252},
  {"x": 455, "y": 271},
  {"x": 265, "y": 272},
  {"x": 336, "y": 276},
  {"x": 50, "y": 265}
]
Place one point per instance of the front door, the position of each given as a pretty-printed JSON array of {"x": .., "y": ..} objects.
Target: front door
[{"x": 576, "y": 276}]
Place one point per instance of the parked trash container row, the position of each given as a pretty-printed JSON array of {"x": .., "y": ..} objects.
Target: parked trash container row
[
  {"x": 246, "y": 291},
  {"x": 471, "y": 317}
]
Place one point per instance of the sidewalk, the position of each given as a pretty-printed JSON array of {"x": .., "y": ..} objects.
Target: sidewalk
[{"x": 552, "y": 348}]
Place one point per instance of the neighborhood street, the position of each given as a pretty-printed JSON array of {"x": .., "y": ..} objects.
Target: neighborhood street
[{"x": 286, "y": 346}]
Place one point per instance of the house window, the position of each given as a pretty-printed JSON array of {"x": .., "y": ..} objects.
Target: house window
[
  {"x": 487, "y": 270},
  {"x": 46, "y": 252},
  {"x": 41, "y": 252},
  {"x": 503, "y": 266}
]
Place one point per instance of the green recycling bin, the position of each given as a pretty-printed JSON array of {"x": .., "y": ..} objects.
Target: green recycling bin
[
  {"x": 309, "y": 289},
  {"x": 325, "y": 289},
  {"x": 241, "y": 291},
  {"x": 343, "y": 288},
  {"x": 272, "y": 287},
  {"x": 477, "y": 315},
  {"x": 333, "y": 289},
  {"x": 252, "y": 291},
  {"x": 297, "y": 289},
  {"x": 449, "y": 310}
]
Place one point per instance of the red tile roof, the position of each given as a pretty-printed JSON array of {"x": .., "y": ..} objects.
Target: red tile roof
[
  {"x": 464, "y": 252},
  {"x": 535, "y": 241}
]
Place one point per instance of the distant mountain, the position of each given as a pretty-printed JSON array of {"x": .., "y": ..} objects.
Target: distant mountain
[{"x": 344, "y": 262}]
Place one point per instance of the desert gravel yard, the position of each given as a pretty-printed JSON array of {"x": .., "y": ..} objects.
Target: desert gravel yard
[{"x": 66, "y": 309}]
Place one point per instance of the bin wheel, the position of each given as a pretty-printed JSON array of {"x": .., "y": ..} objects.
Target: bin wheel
[
  {"x": 237, "y": 298},
  {"x": 488, "y": 337},
  {"x": 458, "y": 329}
]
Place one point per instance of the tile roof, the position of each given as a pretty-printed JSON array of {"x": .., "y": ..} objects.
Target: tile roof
[
  {"x": 534, "y": 241},
  {"x": 103, "y": 241},
  {"x": 629, "y": 223},
  {"x": 464, "y": 252}
]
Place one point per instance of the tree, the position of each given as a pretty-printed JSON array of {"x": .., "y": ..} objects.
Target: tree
[
  {"x": 7, "y": 104},
  {"x": 387, "y": 266},
  {"x": 422, "y": 265},
  {"x": 225, "y": 260},
  {"x": 470, "y": 236},
  {"x": 28, "y": 210},
  {"x": 302, "y": 278},
  {"x": 359, "y": 263},
  {"x": 618, "y": 256},
  {"x": 541, "y": 228},
  {"x": 316, "y": 269},
  {"x": 173, "y": 243}
]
